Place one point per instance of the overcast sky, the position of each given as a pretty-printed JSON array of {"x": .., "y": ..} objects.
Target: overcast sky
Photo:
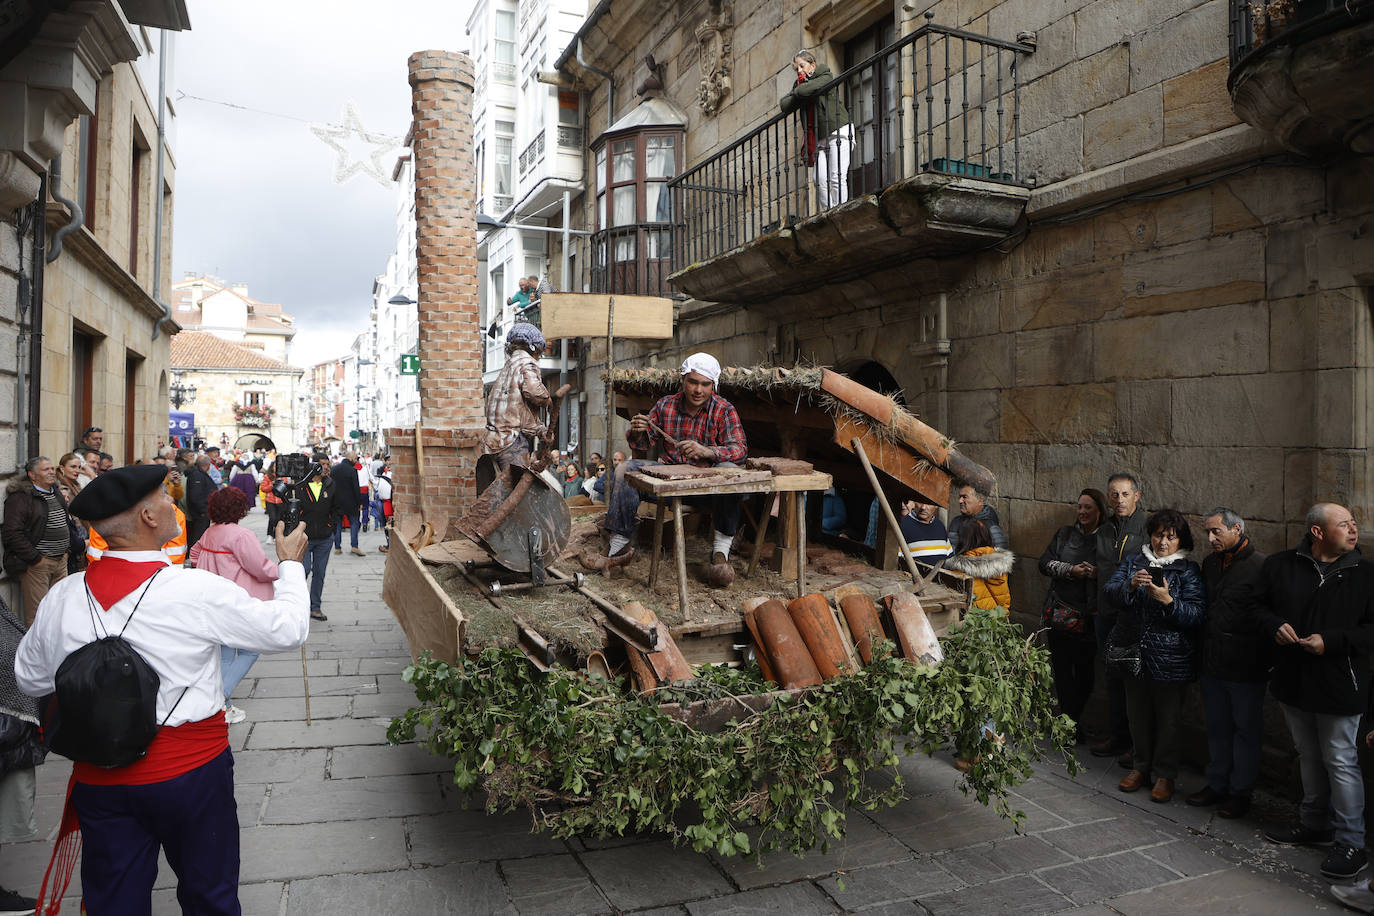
[{"x": 255, "y": 199}]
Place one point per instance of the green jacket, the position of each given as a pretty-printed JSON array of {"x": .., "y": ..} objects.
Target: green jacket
[{"x": 831, "y": 114}]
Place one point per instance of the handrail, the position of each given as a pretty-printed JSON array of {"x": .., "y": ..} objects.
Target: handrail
[
  {"x": 1253, "y": 35},
  {"x": 940, "y": 99}
]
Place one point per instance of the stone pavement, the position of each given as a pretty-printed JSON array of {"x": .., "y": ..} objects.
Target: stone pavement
[{"x": 335, "y": 822}]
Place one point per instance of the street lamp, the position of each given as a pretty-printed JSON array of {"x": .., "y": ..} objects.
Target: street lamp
[
  {"x": 358, "y": 395},
  {"x": 401, "y": 299},
  {"x": 179, "y": 393}
]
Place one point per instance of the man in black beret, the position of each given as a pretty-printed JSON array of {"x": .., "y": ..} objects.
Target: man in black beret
[{"x": 180, "y": 795}]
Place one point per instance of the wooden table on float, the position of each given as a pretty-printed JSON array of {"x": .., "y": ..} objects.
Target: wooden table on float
[{"x": 670, "y": 493}]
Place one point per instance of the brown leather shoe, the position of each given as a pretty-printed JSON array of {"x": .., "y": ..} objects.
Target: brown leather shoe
[
  {"x": 1163, "y": 791},
  {"x": 1134, "y": 780},
  {"x": 720, "y": 573}
]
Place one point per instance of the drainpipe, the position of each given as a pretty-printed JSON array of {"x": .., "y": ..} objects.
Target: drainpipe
[
  {"x": 78, "y": 215},
  {"x": 38, "y": 259},
  {"x": 610, "y": 84},
  {"x": 157, "y": 189},
  {"x": 563, "y": 408}
]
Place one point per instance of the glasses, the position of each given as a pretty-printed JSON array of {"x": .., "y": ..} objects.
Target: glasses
[{"x": 92, "y": 429}]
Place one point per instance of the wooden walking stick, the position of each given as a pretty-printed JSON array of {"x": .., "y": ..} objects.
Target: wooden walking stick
[
  {"x": 887, "y": 510},
  {"x": 305, "y": 675}
]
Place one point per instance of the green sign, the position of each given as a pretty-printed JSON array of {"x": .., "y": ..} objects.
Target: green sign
[
  {"x": 355, "y": 434},
  {"x": 410, "y": 364}
]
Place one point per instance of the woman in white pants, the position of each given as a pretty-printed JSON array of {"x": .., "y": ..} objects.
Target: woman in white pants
[{"x": 829, "y": 137}]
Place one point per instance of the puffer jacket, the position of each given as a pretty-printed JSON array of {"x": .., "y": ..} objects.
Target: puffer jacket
[
  {"x": 1339, "y": 606},
  {"x": 1234, "y": 648},
  {"x": 1167, "y": 632},
  {"x": 989, "y": 567}
]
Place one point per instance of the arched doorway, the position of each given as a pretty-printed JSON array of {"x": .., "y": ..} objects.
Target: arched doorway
[
  {"x": 875, "y": 375},
  {"x": 253, "y": 441}
]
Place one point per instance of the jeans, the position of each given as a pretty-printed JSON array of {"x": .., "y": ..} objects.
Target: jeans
[
  {"x": 832, "y": 167},
  {"x": 233, "y": 665},
  {"x": 353, "y": 525},
  {"x": 625, "y": 500},
  {"x": 317, "y": 561},
  {"x": 1235, "y": 730},
  {"x": 1118, "y": 720},
  {"x": 1156, "y": 711},
  {"x": 1332, "y": 788}
]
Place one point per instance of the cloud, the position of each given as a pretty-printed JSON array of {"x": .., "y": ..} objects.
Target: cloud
[{"x": 255, "y": 200}]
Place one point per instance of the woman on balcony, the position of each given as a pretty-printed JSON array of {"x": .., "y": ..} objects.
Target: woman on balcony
[{"x": 828, "y": 135}]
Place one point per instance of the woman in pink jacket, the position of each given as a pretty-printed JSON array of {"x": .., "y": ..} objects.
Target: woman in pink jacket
[{"x": 230, "y": 550}]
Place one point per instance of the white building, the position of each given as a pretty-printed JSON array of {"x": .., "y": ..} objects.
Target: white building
[
  {"x": 205, "y": 303},
  {"x": 395, "y": 319},
  {"x": 528, "y": 140},
  {"x": 360, "y": 394}
]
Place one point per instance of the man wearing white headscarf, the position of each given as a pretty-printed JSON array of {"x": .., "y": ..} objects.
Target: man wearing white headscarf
[{"x": 694, "y": 426}]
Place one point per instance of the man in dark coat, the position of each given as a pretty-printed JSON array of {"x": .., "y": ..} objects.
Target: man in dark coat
[
  {"x": 320, "y": 512},
  {"x": 973, "y": 504},
  {"x": 199, "y": 486},
  {"x": 348, "y": 501},
  {"x": 1317, "y": 603},
  {"x": 1117, "y": 538},
  {"x": 36, "y": 532},
  {"x": 1235, "y": 666}
]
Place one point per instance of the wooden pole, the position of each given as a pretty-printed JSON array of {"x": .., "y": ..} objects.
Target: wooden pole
[
  {"x": 610, "y": 385},
  {"x": 887, "y": 510},
  {"x": 305, "y": 675}
]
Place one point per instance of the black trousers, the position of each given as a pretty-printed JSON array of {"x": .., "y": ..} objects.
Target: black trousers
[
  {"x": 1073, "y": 658},
  {"x": 1156, "y": 711}
]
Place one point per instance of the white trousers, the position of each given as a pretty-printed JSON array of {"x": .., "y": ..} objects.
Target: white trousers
[{"x": 832, "y": 167}]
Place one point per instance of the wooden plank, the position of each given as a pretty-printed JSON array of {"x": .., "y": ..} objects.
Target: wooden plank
[
  {"x": 816, "y": 480},
  {"x": 585, "y": 315},
  {"x": 896, "y": 460},
  {"x": 428, "y": 616}
]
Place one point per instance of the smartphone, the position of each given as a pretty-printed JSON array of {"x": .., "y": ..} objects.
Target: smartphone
[{"x": 1157, "y": 576}]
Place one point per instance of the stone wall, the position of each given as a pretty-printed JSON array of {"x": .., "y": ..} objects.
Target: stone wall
[
  {"x": 219, "y": 391},
  {"x": 450, "y": 339}
]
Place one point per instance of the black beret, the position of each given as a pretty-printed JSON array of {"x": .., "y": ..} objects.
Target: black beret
[{"x": 117, "y": 490}]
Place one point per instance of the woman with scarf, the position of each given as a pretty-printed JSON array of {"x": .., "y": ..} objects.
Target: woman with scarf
[
  {"x": 828, "y": 135},
  {"x": 1154, "y": 646}
]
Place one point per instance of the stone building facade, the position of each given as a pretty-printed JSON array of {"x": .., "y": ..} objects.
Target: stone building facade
[
  {"x": 1178, "y": 294},
  {"x": 204, "y": 303},
  {"x": 228, "y": 376}
]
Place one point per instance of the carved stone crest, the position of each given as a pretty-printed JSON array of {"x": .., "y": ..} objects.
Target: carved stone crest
[{"x": 713, "y": 35}]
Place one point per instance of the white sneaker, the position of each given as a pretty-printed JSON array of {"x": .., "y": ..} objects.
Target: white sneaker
[
  {"x": 1357, "y": 896},
  {"x": 233, "y": 715}
]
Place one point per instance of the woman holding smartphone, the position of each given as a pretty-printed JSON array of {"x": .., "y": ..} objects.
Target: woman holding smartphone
[{"x": 1161, "y": 592}]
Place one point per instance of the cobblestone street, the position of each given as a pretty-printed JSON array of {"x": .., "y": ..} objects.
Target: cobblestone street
[{"x": 335, "y": 822}]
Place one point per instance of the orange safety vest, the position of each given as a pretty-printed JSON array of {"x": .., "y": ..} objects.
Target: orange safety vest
[{"x": 175, "y": 548}]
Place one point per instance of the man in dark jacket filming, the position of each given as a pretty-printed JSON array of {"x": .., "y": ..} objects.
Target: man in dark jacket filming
[
  {"x": 1236, "y": 657},
  {"x": 1317, "y": 602},
  {"x": 319, "y": 511}
]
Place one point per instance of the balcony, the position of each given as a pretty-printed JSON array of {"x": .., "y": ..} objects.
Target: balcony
[
  {"x": 533, "y": 154},
  {"x": 1301, "y": 71},
  {"x": 632, "y": 259},
  {"x": 934, "y": 169}
]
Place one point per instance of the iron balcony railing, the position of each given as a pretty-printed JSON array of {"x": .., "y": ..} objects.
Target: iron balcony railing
[
  {"x": 938, "y": 100},
  {"x": 533, "y": 153},
  {"x": 634, "y": 260},
  {"x": 1257, "y": 25}
]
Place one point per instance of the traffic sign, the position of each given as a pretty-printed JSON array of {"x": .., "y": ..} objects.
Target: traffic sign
[{"x": 410, "y": 364}]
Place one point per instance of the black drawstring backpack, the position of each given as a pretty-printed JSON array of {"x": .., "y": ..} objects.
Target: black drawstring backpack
[{"x": 104, "y": 707}]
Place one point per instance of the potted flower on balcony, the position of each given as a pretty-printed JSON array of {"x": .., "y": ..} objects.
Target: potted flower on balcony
[
  {"x": 1269, "y": 17},
  {"x": 258, "y": 415}
]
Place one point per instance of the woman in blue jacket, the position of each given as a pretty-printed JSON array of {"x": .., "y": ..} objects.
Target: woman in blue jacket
[{"x": 1161, "y": 592}]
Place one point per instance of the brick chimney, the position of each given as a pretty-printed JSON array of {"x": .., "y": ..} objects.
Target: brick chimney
[{"x": 450, "y": 344}]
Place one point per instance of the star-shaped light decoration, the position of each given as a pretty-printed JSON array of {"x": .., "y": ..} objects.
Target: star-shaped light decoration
[{"x": 372, "y": 164}]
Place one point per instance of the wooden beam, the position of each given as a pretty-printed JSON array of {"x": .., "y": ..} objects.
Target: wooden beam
[
  {"x": 895, "y": 460},
  {"x": 587, "y": 314}
]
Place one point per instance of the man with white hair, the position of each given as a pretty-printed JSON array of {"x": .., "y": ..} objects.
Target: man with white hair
[{"x": 694, "y": 426}]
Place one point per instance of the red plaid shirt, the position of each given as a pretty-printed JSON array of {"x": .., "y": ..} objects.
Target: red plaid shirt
[{"x": 716, "y": 426}]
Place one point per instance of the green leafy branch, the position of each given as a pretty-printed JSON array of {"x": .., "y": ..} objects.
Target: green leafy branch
[{"x": 591, "y": 757}]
